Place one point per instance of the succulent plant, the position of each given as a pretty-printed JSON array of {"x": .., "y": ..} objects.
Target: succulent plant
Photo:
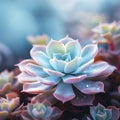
[
  {"x": 106, "y": 29},
  {"x": 109, "y": 33},
  {"x": 7, "y": 107},
  {"x": 41, "y": 111},
  {"x": 64, "y": 64},
  {"x": 99, "y": 112},
  {"x": 6, "y": 79},
  {"x": 38, "y": 40}
]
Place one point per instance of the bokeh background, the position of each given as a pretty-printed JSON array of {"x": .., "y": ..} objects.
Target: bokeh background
[{"x": 55, "y": 18}]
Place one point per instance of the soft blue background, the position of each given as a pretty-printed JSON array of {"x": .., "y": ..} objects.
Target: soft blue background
[{"x": 56, "y": 18}]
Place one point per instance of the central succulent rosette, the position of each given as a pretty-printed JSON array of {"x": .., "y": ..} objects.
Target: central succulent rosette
[{"x": 63, "y": 64}]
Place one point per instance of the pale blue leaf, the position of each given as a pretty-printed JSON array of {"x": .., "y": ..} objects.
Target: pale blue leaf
[
  {"x": 58, "y": 65},
  {"x": 53, "y": 72},
  {"x": 64, "y": 92},
  {"x": 55, "y": 47},
  {"x": 72, "y": 65},
  {"x": 74, "y": 48},
  {"x": 33, "y": 69},
  {"x": 41, "y": 59}
]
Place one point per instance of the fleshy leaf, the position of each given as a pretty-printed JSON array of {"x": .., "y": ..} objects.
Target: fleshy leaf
[
  {"x": 41, "y": 59},
  {"x": 33, "y": 69},
  {"x": 90, "y": 87},
  {"x": 50, "y": 80},
  {"x": 53, "y": 72},
  {"x": 115, "y": 112},
  {"x": 24, "y": 77},
  {"x": 55, "y": 47},
  {"x": 37, "y": 48},
  {"x": 48, "y": 112},
  {"x": 23, "y": 63},
  {"x": 38, "y": 111},
  {"x": 108, "y": 72},
  {"x": 89, "y": 52},
  {"x": 72, "y": 65},
  {"x": 73, "y": 79},
  {"x": 101, "y": 116},
  {"x": 4, "y": 106},
  {"x": 35, "y": 87},
  {"x": 83, "y": 100},
  {"x": 98, "y": 69},
  {"x": 84, "y": 66},
  {"x": 58, "y": 64},
  {"x": 74, "y": 48},
  {"x": 99, "y": 112},
  {"x": 64, "y": 92}
]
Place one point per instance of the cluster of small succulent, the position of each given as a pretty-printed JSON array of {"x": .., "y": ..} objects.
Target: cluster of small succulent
[{"x": 65, "y": 81}]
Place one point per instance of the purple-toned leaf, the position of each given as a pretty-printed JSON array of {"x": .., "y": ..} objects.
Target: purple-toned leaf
[
  {"x": 73, "y": 79},
  {"x": 115, "y": 112},
  {"x": 64, "y": 92},
  {"x": 89, "y": 52},
  {"x": 83, "y": 100},
  {"x": 35, "y": 70},
  {"x": 35, "y": 87},
  {"x": 25, "y": 78},
  {"x": 90, "y": 87},
  {"x": 23, "y": 63},
  {"x": 99, "y": 69}
]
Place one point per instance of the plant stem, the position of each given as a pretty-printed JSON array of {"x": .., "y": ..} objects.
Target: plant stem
[{"x": 111, "y": 44}]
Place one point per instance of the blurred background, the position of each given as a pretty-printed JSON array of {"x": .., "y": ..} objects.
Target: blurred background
[{"x": 55, "y": 18}]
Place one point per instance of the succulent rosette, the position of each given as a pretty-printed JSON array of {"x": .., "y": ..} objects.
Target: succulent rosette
[
  {"x": 99, "y": 112},
  {"x": 7, "y": 107},
  {"x": 63, "y": 64},
  {"x": 107, "y": 35},
  {"x": 41, "y": 111},
  {"x": 106, "y": 29}
]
